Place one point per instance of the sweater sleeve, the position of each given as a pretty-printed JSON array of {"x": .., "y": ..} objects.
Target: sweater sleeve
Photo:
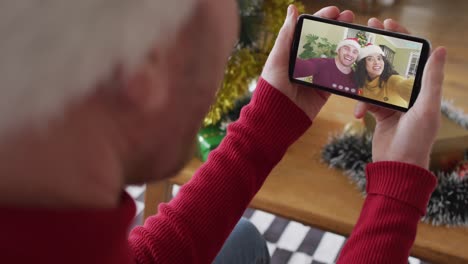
[
  {"x": 194, "y": 225},
  {"x": 397, "y": 196},
  {"x": 402, "y": 86}
]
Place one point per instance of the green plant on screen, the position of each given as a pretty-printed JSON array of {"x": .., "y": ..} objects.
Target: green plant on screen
[{"x": 317, "y": 47}]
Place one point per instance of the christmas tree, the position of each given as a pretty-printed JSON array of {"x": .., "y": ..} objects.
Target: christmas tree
[
  {"x": 362, "y": 39},
  {"x": 261, "y": 21}
]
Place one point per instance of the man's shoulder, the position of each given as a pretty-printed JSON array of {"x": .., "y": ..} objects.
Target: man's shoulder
[
  {"x": 321, "y": 60},
  {"x": 326, "y": 60}
]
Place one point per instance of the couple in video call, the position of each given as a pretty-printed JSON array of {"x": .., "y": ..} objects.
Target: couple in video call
[{"x": 373, "y": 77}]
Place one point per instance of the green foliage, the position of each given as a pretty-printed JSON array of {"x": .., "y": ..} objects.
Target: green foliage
[{"x": 317, "y": 47}]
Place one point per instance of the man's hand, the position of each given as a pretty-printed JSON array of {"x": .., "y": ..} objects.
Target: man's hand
[
  {"x": 408, "y": 137},
  {"x": 276, "y": 68}
]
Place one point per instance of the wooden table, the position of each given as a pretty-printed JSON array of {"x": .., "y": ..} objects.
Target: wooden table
[{"x": 304, "y": 189}]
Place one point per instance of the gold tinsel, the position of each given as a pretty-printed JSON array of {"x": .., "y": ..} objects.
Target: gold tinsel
[{"x": 246, "y": 64}]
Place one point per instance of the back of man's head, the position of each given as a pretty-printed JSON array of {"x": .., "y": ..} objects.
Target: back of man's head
[{"x": 54, "y": 52}]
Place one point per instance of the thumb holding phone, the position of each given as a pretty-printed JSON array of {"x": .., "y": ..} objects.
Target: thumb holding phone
[
  {"x": 408, "y": 137},
  {"x": 276, "y": 67}
]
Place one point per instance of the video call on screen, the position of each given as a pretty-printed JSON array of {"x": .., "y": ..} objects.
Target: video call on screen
[{"x": 366, "y": 64}]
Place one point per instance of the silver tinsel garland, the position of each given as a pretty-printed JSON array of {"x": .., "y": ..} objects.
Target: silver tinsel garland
[
  {"x": 454, "y": 114},
  {"x": 448, "y": 204}
]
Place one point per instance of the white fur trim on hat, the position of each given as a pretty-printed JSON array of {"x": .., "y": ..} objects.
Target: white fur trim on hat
[
  {"x": 353, "y": 42},
  {"x": 55, "y": 51},
  {"x": 368, "y": 50}
]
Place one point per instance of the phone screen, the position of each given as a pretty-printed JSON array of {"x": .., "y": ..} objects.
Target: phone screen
[{"x": 372, "y": 65}]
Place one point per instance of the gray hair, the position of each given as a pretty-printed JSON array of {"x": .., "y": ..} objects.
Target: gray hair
[{"x": 55, "y": 51}]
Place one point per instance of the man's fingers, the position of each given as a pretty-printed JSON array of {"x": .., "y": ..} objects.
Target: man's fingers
[
  {"x": 433, "y": 77},
  {"x": 330, "y": 12},
  {"x": 392, "y": 25},
  {"x": 378, "y": 112},
  {"x": 346, "y": 16},
  {"x": 333, "y": 12},
  {"x": 388, "y": 24},
  {"x": 375, "y": 23}
]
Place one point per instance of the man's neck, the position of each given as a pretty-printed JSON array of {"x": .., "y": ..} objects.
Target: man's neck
[
  {"x": 68, "y": 165},
  {"x": 344, "y": 69}
]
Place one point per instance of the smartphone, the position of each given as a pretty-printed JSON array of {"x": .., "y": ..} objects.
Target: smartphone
[{"x": 371, "y": 65}]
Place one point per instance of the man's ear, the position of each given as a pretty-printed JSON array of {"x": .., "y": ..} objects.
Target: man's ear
[{"x": 147, "y": 86}]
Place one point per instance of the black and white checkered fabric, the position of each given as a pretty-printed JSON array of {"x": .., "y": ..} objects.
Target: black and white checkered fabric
[{"x": 288, "y": 242}]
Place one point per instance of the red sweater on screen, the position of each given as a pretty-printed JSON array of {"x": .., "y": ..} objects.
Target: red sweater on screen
[
  {"x": 325, "y": 73},
  {"x": 194, "y": 225}
]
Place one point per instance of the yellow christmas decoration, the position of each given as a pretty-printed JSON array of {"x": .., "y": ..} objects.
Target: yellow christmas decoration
[
  {"x": 355, "y": 128},
  {"x": 245, "y": 64}
]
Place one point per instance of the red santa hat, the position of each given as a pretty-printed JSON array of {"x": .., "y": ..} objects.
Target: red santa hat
[
  {"x": 368, "y": 50},
  {"x": 353, "y": 42}
]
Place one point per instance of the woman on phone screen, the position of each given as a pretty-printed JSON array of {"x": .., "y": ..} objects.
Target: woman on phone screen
[{"x": 377, "y": 79}]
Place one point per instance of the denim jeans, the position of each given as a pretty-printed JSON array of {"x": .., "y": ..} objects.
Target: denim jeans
[{"x": 245, "y": 245}]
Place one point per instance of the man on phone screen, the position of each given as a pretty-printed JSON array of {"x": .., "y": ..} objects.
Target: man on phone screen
[{"x": 335, "y": 73}]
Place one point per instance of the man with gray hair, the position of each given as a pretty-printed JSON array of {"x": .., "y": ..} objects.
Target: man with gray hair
[{"x": 99, "y": 94}]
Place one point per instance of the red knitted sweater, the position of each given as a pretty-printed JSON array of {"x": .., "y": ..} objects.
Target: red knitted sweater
[{"x": 194, "y": 225}]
